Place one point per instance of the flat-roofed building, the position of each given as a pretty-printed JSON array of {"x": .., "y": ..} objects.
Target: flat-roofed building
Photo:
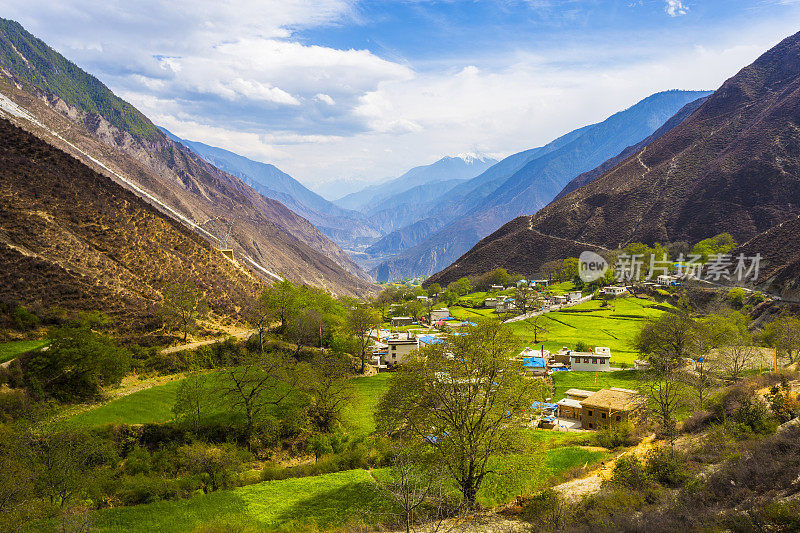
[{"x": 610, "y": 406}]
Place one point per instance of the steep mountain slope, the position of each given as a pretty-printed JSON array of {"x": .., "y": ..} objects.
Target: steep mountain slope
[
  {"x": 732, "y": 166},
  {"x": 71, "y": 238},
  {"x": 461, "y": 167},
  {"x": 347, "y": 228},
  {"x": 114, "y": 138},
  {"x": 590, "y": 176},
  {"x": 533, "y": 179},
  {"x": 411, "y": 206}
]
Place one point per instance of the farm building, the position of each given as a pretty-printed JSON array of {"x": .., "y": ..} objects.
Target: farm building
[
  {"x": 400, "y": 321},
  {"x": 439, "y": 314},
  {"x": 491, "y": 302},
  {"x": 613, "y": 291},
  {"x": 597, "y": 361},
  {"x": 570, "y": 407},
  {"x": 610, "y": 406}
]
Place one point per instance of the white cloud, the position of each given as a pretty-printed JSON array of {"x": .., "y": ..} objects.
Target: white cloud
[
  {"x": 234, "y": 75},
  {"x": 676, "y": 8},
  {"x": 324, "y": 98}
]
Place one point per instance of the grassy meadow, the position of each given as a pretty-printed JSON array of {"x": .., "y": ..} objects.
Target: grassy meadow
[
  {"x": 614, "y": 326},
  {"x": 10, "y": 350}
]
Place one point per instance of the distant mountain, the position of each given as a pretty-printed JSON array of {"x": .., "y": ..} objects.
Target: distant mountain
[
  {"x": 527, "y": 181},
  {"x": 48, "y": 95},
  {"x": 347, "y": 228},
  {"x": 460, "y": 167},
  {"x": 73, "y": 239},
  {"x": 732, "y": 166}
]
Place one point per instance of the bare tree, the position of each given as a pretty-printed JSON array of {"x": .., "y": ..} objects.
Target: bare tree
[
  {"x": 538, "y": 324},
  {"x": 417, "y": 487},
  {"x": 258, "y": 381},
  {"x": 260, "y": 313},
  {"x": 666, "y": 394},
  {"x": 526, "y": 298},
  {"x": 191, "y": 399},
  {"x": 731, "y": 361}
]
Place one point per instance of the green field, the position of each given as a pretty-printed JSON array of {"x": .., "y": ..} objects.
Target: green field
[
  {"x": 145, "y": 406},
  {"x": 329, "y": 501},
  {"x": 614, "y": 327},
  {"x": 154, "y": 405},
  {"x": 325, "y": 502},
  {"x": 360, "y": 413},
  {"x": 527, "y": 472},
  {"x": 10, "y": 350}
]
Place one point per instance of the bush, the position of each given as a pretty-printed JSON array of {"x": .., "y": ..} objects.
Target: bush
[
  {"x": 216, "y": 466},
  {"x": 629, "y": 472},
  {"x": 616, "y": 436},
  {"x": 667, "y": 466},
  {"x": 23, "y": 319}
]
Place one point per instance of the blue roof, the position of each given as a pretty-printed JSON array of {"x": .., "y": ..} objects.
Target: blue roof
[
  {"x": 560, "y": 369},
  {"x": 430, "y": 339},
  {"x": 534, "y": 362},
  {"x": 544, "y": 405},
  {"x": 468, "y": 323}
]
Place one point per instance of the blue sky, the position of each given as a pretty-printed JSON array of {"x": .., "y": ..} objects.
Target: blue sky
[{"x": 338, "y": 92}]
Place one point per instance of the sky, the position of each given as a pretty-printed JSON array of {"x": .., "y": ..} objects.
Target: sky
[{"x": 340, "y": 93}]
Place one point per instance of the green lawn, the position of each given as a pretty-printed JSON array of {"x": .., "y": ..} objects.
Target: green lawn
[
  {"x": 465, "y": 313},
  {"x": 594, "y": 381},
  {"x": 154, "y": 405},
  {"x": 10, "y": 350},
  {"x": 614, "y": 327},
  {"x": 360, "y": 413},
  {"x": 145, "y": 406},
  {"x": 525, "y": 473},
  {"x": 325, "y": 502}
]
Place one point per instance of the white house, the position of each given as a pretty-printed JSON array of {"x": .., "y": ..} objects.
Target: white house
[
  {"x": 506, "y": 305},
  {"x": 439, "y": 314},
  {"x": 590, "y": 361},
  {"x": 666, "y": 280},
  {"x": 573, "y": 296},
  {"x": 497, "y": 288},
  {"x": 540, "y": 282},
  {"x": 491, "y": 302},
  {"x": 613, "y": 290},
  {"x": 399, "y": 346},
  {"x": 559, "y": 299}
]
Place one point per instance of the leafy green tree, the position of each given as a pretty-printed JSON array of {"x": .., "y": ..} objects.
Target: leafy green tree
[
  {"x": 281, "y": 299},
  {"x": 465, "y": 397},
  {"x": 361, "y": 320},
  {"x": 434, "y": 290},
  {"x": 736, "y": 297},
  {"x": 254, "y": 383},
  {"x": 192, "y": 399},
  {"x": 719, "y": 244},
  {"x": 667, "y": 340},
  {"x": 330, "y": 389},
  {"x": 76, "y": 365},
  {"x": 182, "y": 305},
  {"x": 216, "y": 465},
  {"x": 261, "y": 313},
  {"x": 461, "y": 287},
  {"x": 783, "y": 334}
]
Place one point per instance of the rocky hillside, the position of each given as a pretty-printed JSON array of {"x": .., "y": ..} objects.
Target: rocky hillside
[
  {"x": 113, "y": 137},
  {"x": 70, "y": 238},
  {"x": 732, "y": 166}
]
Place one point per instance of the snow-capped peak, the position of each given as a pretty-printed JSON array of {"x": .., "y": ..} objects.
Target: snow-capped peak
[{"x": 472, "y": 157}]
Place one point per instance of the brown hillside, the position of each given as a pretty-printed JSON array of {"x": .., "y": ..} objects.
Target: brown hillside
[
  {"x": 732, "y": 166},
  {"x": 70, "y": 238}
]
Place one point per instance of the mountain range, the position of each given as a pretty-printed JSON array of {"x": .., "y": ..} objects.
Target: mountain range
[
  {"x": 527, "y": 181},
  {"x": 51, "y": 97},
  {"x": 732, "y": 165}
]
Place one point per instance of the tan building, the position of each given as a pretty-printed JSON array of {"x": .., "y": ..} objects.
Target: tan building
[
  {"x": 399, "y": 347},
  {"x": 570, "y": 407},
  {"x": 610, "y": 406},
  {"x": 400, "y": 321}
]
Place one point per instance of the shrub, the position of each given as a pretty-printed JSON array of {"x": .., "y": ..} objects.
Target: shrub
[
  {"x": 215, "y": 465},
  {"x": 666, "y": 465},
  {"x": 616, "y": 436},
  {"x": 629, "y": 472},
  {"x": 23, "y": 319}
]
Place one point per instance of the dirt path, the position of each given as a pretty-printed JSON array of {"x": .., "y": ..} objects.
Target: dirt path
[
  {"x": 574, "y": 490},
  {"x": 242, "y": 334}
]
